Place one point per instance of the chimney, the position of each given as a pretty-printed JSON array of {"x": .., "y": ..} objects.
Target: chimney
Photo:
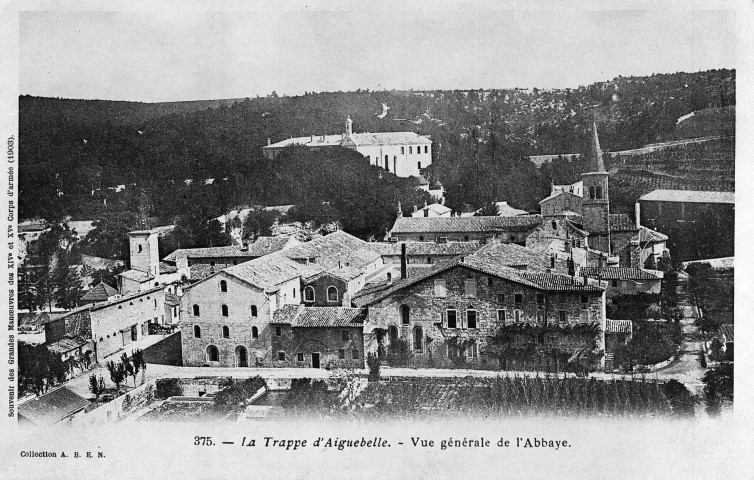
[
  {"x": 404, "y": 261},
  {"x": 637, "y": 213},
  {"x": 269, "y": 142},
  {"x": 415, "y": 209},
  {"x": 425, "y": 205},
  {"x": 245, "y": 247}
]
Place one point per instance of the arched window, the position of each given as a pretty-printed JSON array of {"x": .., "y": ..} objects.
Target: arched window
[
  {"x": 241, "y": 357},
  {"x": 223, "y": 286},
  {"x": 419, "y": 164},
  {"x": 426, "y": 149},
  {"x": 392, "y": 333},
  {"x": 403, "y": 150},
  {"x": 418, "y": 339},
  {"x": 140, "y": 249},
  {"x": 253, "y": 310},
  {"x": 598, "y": 192},
  {"x": 410, "y": 150},
  {"x": 226, "y": 331},
  {"x": 197, "y": 331},
  {"x": 213, "y": 354},
  {"x": 389, "y": 277},
  {"x": 429, "y": 259},
  {"x": 387, "y": 165},
  {"x": 196, "y": 310},
  {"x": 332, "y": 294},
  {"x": 405, "y": 315},
  {"x": 224, "y": 310},
  {"x": 254, "y": 332},
  {"x": 309, "y": 294},
  {"x": 591, "y": 192}
]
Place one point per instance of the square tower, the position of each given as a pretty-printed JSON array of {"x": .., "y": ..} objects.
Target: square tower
[{"x": 144, "y": 251}]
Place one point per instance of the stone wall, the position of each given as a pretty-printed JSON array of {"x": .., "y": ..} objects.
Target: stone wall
[
  {"x": 165, "y": 352},
  {"x": 111, "y": 325},
  {"x": 429, "y": 312},
  {"x": 328, "y": 342}
]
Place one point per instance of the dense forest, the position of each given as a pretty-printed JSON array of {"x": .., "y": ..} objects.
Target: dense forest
[{"x": 195, "y": 160}]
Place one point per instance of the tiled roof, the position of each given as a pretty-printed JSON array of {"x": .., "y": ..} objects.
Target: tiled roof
[
  {"x": 649, "y": 235},
  {"x": 509, "y": 255},
  {"x": 618, "y": 273},
  {"x": 435, "y": 207},
  {"x": 727, "y": 330},
  {"x": 621, "y": 222},
  {"x": 618, "y": 326},
  {"x": 100, "y": 293},
  {"x": 136, "y": 275},
  {"x": 166, "y": 268},
  {"x": 33, "y": 319},
  {"x": 542, "y": 281},
  {"x": 338, "y": 249},
  {"x": 66, "y": 344},
  {"x": 689, "y": 196},
  {"x": 52, "y": 407},
  {"x": 299, "y": 316},
  {"x": 557, "y": 194},
  {"x": 99, "y": 263},
  {"x": 505, "y": 210},
  {"x": 389, "y": 138},
  {"x": 724, "y": 263},
  {"x": 420, "y": 180},
  {"x": 210, "y": 252},
  {"x": 171, "y": 299},
  {"x": 359, "y": 139},
  {"x": 464, "y": 224},
  {"x": 269, "y": 271},
  {"x": 392, "y": 249}
]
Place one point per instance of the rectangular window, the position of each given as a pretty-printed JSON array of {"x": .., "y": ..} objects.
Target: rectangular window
[
  {"x": 299, "y": 357},
  {"x": 540, "y": 299},
  {"x": 540, "y": 317},
  {"x": 585, "y": 316},
  {"x": 563, "y": 317},
  {"x": 615, "y": 283},
  {"x": 451, "y": 314},
  {"x": 518, "y": 316},
  {"x": 342, "y": 354},
  {"x": 500, "y": 298},
  {"x": 278, "y": 331},
  {"x": 470, "y": 287},
  {"x": 403, "y": 150},
  {"x": 281, "y": 356},
  {"x": 501, "y": 316},
  {"x": 470, "y": 318},
  {"x": 345, "y": 335},
  {"x": 519, "y": 298},
  {"x": 584, "y": 299},
  {"x": 472, "y": 351},
  {"x": 441, "y": 290},
  {"x": 355, "y": 354},
  {"x": 426, "y": 149}
]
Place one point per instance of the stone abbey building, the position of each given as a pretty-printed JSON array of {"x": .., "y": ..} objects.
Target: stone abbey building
[{"x": 402, "y": 153}]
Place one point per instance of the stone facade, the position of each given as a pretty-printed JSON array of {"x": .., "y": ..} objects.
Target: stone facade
[
  {"x": 427, "y": 324},
  {"x": 246, "y": 333},
  {"x": 320, "y": 285},
  {"x": 341, "y": 347},
  {"x": 118, "y": 323}
]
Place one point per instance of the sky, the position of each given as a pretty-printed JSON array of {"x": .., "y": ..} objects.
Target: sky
[{"x": 171, "y": 53}]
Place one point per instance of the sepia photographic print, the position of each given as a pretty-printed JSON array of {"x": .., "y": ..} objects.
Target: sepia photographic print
[{"x": 375, "y": 239}]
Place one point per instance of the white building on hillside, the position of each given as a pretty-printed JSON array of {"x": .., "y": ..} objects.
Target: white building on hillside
[{"x": 401, "y": 153}]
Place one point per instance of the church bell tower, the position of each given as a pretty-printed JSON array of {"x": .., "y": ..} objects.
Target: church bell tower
[{"x": 596, "y": 198}]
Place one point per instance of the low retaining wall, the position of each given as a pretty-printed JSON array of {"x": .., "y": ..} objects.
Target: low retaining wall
[{"x": 119, "y": 408}]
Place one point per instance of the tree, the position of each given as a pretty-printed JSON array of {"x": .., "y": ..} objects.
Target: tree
[
  {"x": 67, "y": 285},
  {"x": 139, "y": 364},
  {"x": 487, "y": 210},
  {"x": 96, "y": 386},
  {"x": 117, "y": 373},
  {"x": 109, "y": 238},
  {"x": 373, "y": 362},
  {"x": 718, "y": 387},
  {"x": 259, "y": 222}
]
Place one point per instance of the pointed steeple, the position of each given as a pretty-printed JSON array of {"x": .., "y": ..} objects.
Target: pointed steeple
[{"x": 596, "y": 164}]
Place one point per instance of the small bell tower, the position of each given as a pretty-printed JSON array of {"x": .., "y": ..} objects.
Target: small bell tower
[
  {"x": 596, "y": 197},
  {"x": 349, "y": 126}
]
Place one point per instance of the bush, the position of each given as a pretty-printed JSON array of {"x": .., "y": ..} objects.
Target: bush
[
  {"x": 374, "y": 367},
  {"x": 168, "y": 387},
  {"x": 234, "y": 397}
]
